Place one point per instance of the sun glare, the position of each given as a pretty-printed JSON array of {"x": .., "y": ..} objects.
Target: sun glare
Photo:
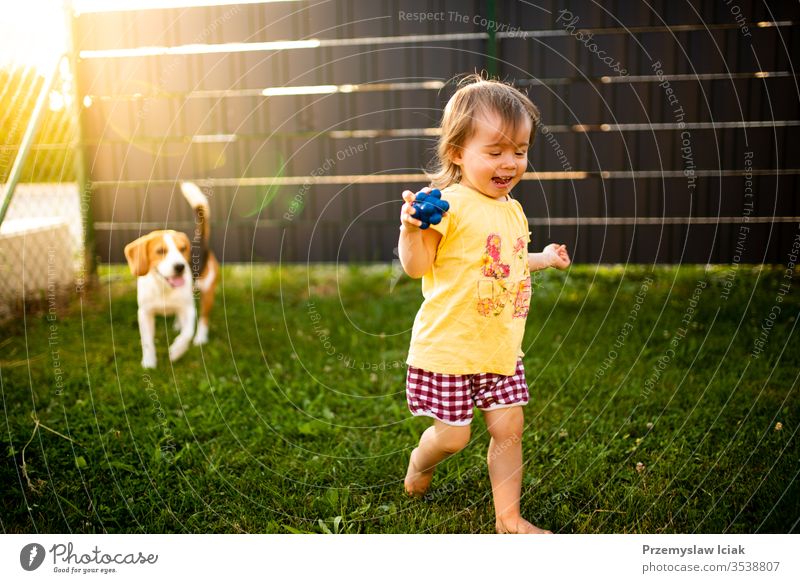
[{"x": 32, "y": 32}]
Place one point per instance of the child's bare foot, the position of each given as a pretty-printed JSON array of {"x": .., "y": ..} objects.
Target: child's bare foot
[
  {"x": 517, "y": 525},
  {"x": 417, "y": 481}
]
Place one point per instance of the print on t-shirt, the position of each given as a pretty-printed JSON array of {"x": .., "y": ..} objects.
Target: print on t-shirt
[{"x": 494, "y": 291}]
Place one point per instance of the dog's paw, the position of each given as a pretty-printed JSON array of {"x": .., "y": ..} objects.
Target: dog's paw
[
  {"x": 201, "y": 337},
  {"x": 177, "y": 350},
  {"x": 149, "y": 362}
]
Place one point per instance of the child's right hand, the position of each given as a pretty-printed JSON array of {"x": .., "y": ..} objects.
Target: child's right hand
[
  {"x": 408, "y": 210},
  {"x": 416, "y": 247}
]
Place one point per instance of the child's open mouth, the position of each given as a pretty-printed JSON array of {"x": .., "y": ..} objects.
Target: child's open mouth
[{"x": 501, "y": 181}]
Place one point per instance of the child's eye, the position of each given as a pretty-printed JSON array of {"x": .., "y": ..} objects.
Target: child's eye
[
  {"x": 494, "y": 153},
  {"x": 520, "y": 153}
]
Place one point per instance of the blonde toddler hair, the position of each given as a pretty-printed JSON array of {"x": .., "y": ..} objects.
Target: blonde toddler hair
[{"x": 475, "y": 96}]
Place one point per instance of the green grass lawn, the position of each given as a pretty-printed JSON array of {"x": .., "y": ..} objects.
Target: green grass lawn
[{"x": 651, "y": 411}]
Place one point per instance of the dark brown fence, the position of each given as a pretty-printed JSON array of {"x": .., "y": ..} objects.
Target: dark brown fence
[{"x": 668, "y": 126}]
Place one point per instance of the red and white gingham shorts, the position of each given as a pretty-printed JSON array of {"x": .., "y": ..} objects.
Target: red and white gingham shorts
[{"x": 451, "y": 397}]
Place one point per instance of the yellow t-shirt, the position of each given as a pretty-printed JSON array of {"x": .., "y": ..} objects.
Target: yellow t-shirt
[{"x": 478, "y": 291}]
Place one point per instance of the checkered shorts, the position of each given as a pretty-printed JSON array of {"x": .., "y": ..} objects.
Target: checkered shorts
[{"x": 451, "y": 397}]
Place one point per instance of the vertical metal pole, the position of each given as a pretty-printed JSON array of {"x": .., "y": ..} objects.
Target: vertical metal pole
[
  {"x": 27, "y": 141},
  {"x": 89, "y": 276},
  {"x": 491, "y": 64}
]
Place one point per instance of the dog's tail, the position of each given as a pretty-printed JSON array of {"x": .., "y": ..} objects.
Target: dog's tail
[{"x": 202, "y": 227}]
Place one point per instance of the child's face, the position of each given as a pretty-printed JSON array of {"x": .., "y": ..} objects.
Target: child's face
[{"x": 492, "y": 162}]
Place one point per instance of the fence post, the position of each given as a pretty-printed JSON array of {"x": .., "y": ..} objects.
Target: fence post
[
  {"x": 81, "y": 173},
  {"x": 491, "y": 52}
]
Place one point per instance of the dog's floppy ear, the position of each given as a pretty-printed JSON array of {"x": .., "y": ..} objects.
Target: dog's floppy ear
[{"x": 136, "y": 254}]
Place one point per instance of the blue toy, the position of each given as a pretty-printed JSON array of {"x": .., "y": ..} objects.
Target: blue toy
[{"x": 429, "y": 208}]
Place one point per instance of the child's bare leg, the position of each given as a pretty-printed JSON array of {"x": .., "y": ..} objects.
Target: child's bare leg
[
  {"x": 505, "y": 469},
  {"x": 438, "y": 442}
]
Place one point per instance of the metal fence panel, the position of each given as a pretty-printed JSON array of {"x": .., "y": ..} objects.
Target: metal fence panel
[{"x": 647, "y": 149}]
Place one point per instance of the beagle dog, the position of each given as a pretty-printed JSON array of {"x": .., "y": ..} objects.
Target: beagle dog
[{"x": 166, "y": 263}]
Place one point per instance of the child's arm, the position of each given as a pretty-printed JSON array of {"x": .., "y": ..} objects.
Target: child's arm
[
  {"x": 552, "y": 256},
  {"x": 417, "y": 247}
]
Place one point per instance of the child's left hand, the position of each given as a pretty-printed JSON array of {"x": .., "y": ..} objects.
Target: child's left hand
[{"x": 557, "y": 256}]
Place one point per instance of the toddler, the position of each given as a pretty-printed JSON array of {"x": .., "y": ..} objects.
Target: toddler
[{"x": 475, "y": 268}]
